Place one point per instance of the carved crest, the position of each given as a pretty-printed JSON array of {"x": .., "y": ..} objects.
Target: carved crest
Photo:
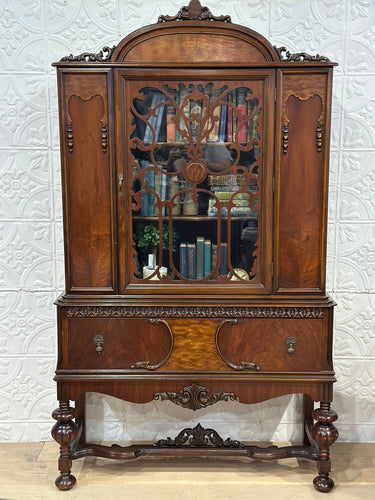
[
  {"x": 195, "y": 396},
  {"x": 194, "y": 11},
  {"x": 198, "y": 438}
]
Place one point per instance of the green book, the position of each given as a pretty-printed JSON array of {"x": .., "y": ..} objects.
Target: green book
[
  {"x": 200, "y": 257},
  {"x": 207, "y": 258}
]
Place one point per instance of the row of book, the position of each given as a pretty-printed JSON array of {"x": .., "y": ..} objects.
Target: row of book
[
  {"x": 197, "y": 260},
  {"x": 226, "y": 123}
]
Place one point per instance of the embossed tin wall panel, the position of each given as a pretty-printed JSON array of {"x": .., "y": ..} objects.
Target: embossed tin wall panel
[{"x": 36, "y": 33}]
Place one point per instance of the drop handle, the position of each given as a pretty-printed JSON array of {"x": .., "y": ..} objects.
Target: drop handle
[
  {"x": 290, "y": 342},
  {"x": 120, "y": 183},
  {"x": 98, "y": 341}
]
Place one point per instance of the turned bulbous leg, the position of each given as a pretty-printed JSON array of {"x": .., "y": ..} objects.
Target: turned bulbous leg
[
  {"x": 64, "y": 432},
  {"x": 325, "y": 434}
]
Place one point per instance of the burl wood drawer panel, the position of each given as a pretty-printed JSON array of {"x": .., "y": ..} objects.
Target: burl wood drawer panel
[
  {"x": 272, "y": 344},
  {"x": 116, "y": 343}
]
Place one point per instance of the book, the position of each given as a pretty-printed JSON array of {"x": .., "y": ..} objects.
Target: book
[
  {"x": 156, "y": 118},
  {"x": 183, "y": 259},
  {"x": 223, "y": 121},
  {"x": 207, "y": 258},
  {"x": 144, "y": 196},
  {"x": 200, "y": 257},
  {"x": 151, "y": 196},
  {"x": 191, "y": 261},
  {"x": 215, "y": 112},
  {"x": 223, "y": 267},
  {"x": 213, "y": 256},
  {"x": 195, "y": 116},
  {"x": 185, "y": 110},
  {"x": 230, "y": 118},
  {"x": 242, "y": 109},
  {"x": 171, "y": 119}
]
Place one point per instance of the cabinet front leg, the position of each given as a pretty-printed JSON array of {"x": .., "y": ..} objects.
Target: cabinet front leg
[
  {"x": 325, "y": 434},
  {"x": 64, "y": 432}
]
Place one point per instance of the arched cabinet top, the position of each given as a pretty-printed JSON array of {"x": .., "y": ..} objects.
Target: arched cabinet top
[{"x": 182, "y": 42}]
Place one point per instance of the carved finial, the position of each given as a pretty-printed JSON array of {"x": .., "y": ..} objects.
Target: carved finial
[{"x": 194, "y": 11}]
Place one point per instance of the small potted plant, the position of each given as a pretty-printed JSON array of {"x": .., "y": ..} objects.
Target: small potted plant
[{"x": 146, "y": 238}]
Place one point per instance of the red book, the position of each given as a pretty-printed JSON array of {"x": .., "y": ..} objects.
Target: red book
[
  {"x": 242, "y": 109},
  {"x": 171, "y": 120}
]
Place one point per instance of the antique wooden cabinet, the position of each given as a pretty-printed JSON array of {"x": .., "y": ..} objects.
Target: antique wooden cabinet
[{"x": 195, "y": 174}]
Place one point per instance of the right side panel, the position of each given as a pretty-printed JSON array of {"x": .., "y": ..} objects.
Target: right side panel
[{"x": 302, "y": 179}]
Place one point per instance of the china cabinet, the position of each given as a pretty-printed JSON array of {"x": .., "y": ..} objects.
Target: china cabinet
[{"x": 195, "y": 175}]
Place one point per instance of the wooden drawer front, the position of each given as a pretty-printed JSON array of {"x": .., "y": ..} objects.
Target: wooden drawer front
[
  {"x": 271, "y": 344},
  {"x": 116, "y": 343}
]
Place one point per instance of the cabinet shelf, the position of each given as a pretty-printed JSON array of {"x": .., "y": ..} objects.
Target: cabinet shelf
[{"x": 193, "y": 218}]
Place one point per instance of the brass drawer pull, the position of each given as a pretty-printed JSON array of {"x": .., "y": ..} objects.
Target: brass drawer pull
[
  {"x": 290, "y": 342},
  {"x": 245, "y": 365},
  {"x": 98, "y": 341}
]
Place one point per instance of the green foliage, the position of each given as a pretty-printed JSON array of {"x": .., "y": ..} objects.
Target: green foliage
[{"x": 146, "y": 237}]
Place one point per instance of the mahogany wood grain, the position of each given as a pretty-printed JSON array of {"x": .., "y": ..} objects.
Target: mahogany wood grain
[{"x": 87, "y": 180}]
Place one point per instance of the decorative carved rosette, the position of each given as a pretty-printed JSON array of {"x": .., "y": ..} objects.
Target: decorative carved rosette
[
  {"x": 198, "y": 438},
  {"x": 194, "y": 11},
  {"x": 194, "y": 397}
]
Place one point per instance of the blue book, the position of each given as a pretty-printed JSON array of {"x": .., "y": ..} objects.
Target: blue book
[
  {"x": 183, "y": 259},
  {"x": 191, "y": 261},
  {"x": 144, "y": 196},
  {"x": 151, "y": 197},
  {"x": 156, "y": 120},
  {"x": 223, "y": 121},
  {"x": 207, "y": 258},
  {"x": 223, "y": 267}
]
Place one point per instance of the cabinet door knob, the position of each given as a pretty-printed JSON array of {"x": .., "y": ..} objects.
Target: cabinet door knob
[
  {"x": 290, "y": 342},
  {"x": 98, "y": 341}
]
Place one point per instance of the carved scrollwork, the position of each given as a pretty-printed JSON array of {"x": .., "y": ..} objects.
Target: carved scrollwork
[
  {"x": 195, "y": 396},
  {"x": 285, "y": 138},
  {"x": 103, "y": 56},
  {"x": 194, "y": 11},
  {"x": 194, "y": 312},
  {"x": 198, "y": 438},
  {"x": 285, "y": 56},
  {"x": 319, "y": 137},
  {"x": 104, "y": 138}
]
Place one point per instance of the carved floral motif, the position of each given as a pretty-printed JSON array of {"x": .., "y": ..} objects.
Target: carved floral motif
[
  {"x": 198, "y": 438},
  {"x": 194, "y": 397}
]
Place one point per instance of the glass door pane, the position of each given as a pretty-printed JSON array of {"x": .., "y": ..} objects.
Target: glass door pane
[{"x": 196, "y": 156}]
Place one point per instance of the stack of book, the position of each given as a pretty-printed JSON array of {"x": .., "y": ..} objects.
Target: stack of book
[
  {"x": 225, "y": 189},
  {"x": 199, "y": 259},
  {"x": 157, "y": 182}
]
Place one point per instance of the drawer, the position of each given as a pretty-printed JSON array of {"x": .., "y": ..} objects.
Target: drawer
[
  {"x": 116, "y": 343},
  {"x": 271, "y": 344},
  {"x": 227, "y": 345}
]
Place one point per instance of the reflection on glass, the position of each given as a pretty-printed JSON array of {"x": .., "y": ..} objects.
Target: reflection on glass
[{"x": 196, "y": 164}]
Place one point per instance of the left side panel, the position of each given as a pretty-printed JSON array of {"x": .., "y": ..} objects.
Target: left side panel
[{"x": 85, "y": 134}]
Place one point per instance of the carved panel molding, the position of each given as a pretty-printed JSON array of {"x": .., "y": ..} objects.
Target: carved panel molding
[
  {"x": 194, "y": 312},
  {"x": 195, "y": 397},
  {"x": 103, "y": 56},
  {"x": 198, "y": 438}
]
